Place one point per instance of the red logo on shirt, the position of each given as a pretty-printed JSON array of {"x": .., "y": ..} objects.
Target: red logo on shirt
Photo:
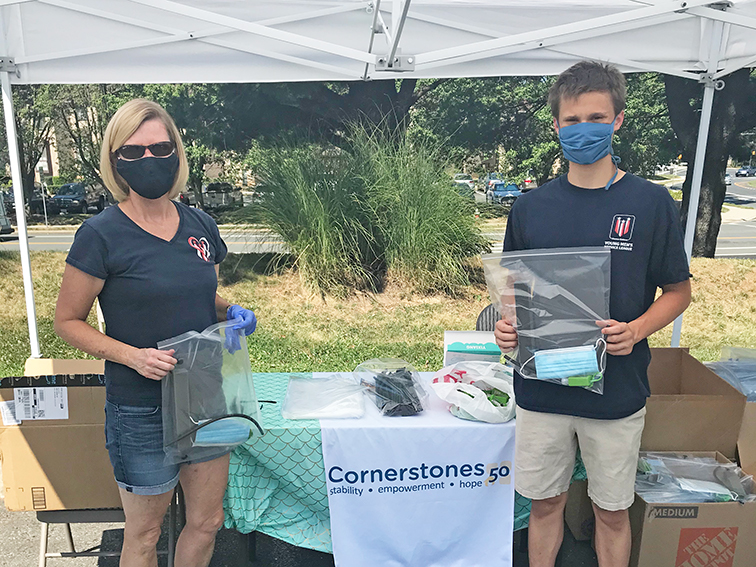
[
  {"x": 202, "y": 246},
  {"x": 622, "y": 227}
]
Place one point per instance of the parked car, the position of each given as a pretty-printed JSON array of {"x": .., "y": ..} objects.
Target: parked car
[
  {"x": 746, "y": 171},
  {"x": 490, "y": 179},
  {"x": 528, "y": 183},
  {"x": 38, "y": 207},
  {"x": 79, "y": 197},
  {"x": 464, "y": 189},
  {"x": 465, "y": 179},
  {"x": 5, "y": 225},
  {"x": 503, "y": 192},
  {"x": 728, "y": 179},
  {"x": 222, "y": 196}
]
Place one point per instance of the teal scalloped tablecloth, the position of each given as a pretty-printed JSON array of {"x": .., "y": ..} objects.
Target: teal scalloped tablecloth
[{"x": 277, "y": 484}]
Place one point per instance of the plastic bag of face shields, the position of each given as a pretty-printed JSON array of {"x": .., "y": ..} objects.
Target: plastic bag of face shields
[
  {"x": 554, "y": 297},
  {"x": 668, "y": 478},
  {"x": 393, "y": 385},
  {"x": 209, "y": 402},
  {"x": 329, "y": 397},
  {"x": 479, "y": 391},
  {"x": 738, "y": 367}
]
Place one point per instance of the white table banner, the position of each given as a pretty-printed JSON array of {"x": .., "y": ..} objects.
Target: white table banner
[{"x": 429, "y": 490}]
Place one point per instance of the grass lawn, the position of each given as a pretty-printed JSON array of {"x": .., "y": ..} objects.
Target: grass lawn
[{"x": 299, "y": 331}]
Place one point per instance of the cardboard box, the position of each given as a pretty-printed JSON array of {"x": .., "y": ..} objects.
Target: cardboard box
[
  {"x": 690, "y": 408},
  {"x": 717, "y": 534},
  {"x": 747, "y": 440},
  {"x": 461, "y": 346},
  {"x": 58, "y": 464},
  {"x": 578, "y": 512}
]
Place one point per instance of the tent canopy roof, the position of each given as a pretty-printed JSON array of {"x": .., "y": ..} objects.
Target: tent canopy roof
[{"x": 158, "y": 41}]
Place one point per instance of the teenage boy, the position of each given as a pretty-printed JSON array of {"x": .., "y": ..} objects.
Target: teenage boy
[{"x": 595, "y": 204}]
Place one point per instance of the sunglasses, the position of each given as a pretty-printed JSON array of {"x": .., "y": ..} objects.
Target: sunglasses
[{"x": 132, "y": 152}]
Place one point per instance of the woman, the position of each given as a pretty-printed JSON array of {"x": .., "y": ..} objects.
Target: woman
[{"x": 153, "y": 264}]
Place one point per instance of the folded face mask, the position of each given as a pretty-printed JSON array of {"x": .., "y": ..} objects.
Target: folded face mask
[
  {"x": 574, "y": 366},
  {"x": 224, "y": 432}
]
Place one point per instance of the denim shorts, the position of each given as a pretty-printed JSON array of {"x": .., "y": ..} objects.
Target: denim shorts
[{"x": 134, "y": 439}]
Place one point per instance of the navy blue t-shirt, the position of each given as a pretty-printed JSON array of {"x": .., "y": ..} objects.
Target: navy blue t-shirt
[
  {"x": 154, "y": 289},
  {"x": 640, "y": 223}
]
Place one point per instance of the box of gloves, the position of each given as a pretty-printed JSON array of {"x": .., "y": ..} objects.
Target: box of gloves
[{"x": 465, "y": 346}]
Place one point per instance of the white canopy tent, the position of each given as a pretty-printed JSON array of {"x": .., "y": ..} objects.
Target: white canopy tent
[{"x": 163, "y": 41}]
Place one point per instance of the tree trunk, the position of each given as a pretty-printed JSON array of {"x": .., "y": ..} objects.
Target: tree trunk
[{"x": 732, "y": 113}]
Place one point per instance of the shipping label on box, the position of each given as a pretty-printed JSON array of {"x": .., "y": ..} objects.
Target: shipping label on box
[{"x": 40, "y": 403}]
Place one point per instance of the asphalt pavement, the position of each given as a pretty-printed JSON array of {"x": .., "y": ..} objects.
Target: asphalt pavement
[{"x": 737, "y": 235}]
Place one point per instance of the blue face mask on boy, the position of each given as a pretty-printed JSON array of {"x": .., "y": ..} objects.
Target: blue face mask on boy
[{"x": 587, "y": 142}]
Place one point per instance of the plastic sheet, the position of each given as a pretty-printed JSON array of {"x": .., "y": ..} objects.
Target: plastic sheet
[
  {"x": 209, "y": 402},
  {"x": 333, "y": 396},
  {"x": 738, "y": 367},
  {"x": 393, "y": 385},
  {"x": 476, "y": 390},
  {"x": 554, "y": 297},
  {"x": 665, "y": 478}
]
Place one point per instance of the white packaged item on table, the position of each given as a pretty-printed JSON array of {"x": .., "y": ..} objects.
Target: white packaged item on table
[{"x": 333, "y": 396}]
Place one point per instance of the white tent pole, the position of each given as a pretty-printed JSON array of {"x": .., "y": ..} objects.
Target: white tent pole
[
  {"x": 710, "y": 85},
  {"x": 18, "y": 193}
]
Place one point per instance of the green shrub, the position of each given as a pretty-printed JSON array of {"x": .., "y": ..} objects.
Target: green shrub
[
  {"x": 383, "y": 209},
  {"x": 427, "y": 227},
  {"x": 313, "y": 200}
]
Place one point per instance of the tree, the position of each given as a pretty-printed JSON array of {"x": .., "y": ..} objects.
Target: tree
[
  {"x": 733, "y": 112},
  {"x": 34, "y": 106},
  {"x": 479, "y": 116},
  {"x": 83, "y": 113},
  {"x": 646, "y": 139}
]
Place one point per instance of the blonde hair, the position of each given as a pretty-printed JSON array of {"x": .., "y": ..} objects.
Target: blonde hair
[{"x": 121, "y": 127}]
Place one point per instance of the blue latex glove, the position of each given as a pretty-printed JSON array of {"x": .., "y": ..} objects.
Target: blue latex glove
[{"x": 245, "y": 323}]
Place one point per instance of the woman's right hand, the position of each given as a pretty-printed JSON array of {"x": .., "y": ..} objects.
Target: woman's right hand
[
  {"x": 506, "y": 335},
  {"x": 153, "y": 363}
]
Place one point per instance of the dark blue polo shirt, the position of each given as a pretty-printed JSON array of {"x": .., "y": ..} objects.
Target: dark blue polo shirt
[
  {"x": 640, "y": 223},
  {"x": 154, "y": 289}
]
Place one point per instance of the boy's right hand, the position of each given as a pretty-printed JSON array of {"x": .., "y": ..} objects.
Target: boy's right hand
[{"x": 506, "y": 335}]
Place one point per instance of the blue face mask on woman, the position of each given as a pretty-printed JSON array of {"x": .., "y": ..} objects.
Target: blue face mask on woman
[{"x": 586, "y": 142}]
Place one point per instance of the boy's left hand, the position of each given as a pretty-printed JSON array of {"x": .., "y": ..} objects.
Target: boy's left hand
[{"x": 620, "y": 337}]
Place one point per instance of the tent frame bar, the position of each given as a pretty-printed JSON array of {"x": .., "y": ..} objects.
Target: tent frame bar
[
  {"x": 14, "y": 157},
  {"x": 594, "y": 24},
  {"x": 710, "y": 85}
]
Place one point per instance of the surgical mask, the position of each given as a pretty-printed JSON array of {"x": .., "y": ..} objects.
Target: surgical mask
[
  {"x": 149, "y": 177},
  {"x": 226, "y": 432},
  {"x": 572, "y": 366}
]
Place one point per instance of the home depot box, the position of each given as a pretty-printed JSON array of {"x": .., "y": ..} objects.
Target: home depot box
[
  {"x": 747, "y": 440},
  {"x": 59, "y": 463},
  {"x": 690, "y": 408},
  {"x": 716, "y": 534}
]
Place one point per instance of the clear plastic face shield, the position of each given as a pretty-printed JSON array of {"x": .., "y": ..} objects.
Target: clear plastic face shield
[{"x": 554, "y": 298}]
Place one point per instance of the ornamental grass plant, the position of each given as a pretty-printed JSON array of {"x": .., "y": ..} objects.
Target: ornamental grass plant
[
  {"x": 382, "y": 209},
  {"x": 315, "y": 202},
  {"x": 427, "y": 228}
]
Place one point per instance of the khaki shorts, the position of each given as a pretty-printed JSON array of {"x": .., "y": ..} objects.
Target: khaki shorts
[{"x": 545, "y": 455}]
